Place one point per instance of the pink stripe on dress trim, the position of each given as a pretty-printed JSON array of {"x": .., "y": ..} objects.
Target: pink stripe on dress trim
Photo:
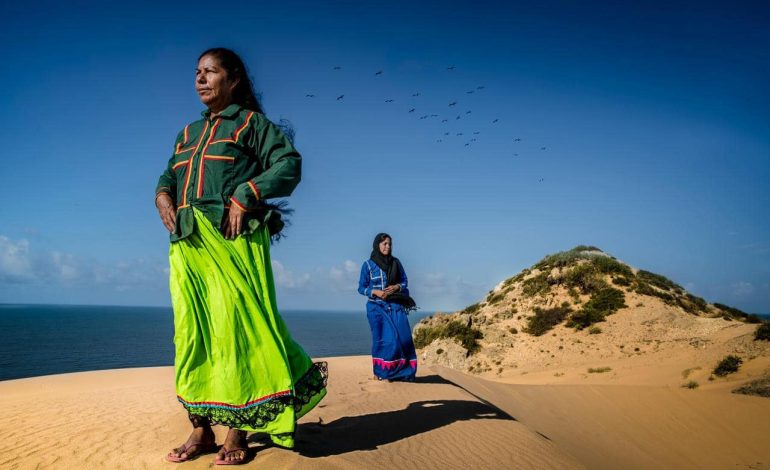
[{"x": 391, "y": 364}]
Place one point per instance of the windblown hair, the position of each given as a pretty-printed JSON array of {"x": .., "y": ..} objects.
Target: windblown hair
[{"x": 244, "y": 94}]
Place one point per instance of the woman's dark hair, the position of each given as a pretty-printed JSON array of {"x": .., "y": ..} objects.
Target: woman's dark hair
[
  {"x": 243, "y": 94},
  {"x": 244, "y": 91}
]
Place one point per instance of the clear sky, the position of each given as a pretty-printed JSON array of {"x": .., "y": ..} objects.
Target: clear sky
[{"x": 655, "y": 124}]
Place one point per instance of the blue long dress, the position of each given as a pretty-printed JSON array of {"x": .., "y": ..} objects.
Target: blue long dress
[{"x": 393, "y": 353}]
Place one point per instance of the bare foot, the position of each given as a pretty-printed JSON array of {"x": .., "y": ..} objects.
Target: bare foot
[
  {"x": 235, "y": 447},
  {"x": 201, "y": 441}
]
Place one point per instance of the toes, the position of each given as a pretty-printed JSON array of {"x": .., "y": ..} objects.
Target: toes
[
  {"x": 178, "y": 452},
  {"x": 234, "y": 456}
]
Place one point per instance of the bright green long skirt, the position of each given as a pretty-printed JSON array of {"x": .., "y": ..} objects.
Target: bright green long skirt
[{"x": 236, "y": 363}]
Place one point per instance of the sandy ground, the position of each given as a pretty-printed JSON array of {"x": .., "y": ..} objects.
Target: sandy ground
[
  {"x": 130, "y": 419},
  {"x": 631, "y": 426}
]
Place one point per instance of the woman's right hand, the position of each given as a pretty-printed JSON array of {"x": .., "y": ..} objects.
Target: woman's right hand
[
  {"x": 379, "y": 293},
  {"x": 167, "y": 211}
]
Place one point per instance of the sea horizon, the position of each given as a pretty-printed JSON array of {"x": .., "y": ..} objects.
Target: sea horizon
[{"x": 40, "y": 342}]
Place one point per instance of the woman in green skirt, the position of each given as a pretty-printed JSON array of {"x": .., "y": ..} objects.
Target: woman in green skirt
[{"x": 236, "y": 364}]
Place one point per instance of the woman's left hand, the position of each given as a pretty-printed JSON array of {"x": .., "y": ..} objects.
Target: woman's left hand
[
  {"x": 392, "y": 289},
  {"x": 232, "y": 225}
]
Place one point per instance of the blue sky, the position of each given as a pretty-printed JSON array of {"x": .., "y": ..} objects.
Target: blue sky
[{"x": 655, "y": 122}]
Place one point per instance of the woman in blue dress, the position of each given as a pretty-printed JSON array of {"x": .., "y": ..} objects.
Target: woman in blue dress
[{"x": 383, "y": 281}]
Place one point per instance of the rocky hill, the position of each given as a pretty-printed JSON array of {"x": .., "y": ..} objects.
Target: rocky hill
[{"x": 576, "y": 310}]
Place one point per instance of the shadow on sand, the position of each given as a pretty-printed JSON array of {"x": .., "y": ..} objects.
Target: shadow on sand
[{"x": 367, "y": 432}]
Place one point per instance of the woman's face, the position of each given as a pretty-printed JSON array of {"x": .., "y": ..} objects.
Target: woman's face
[
  {"x": 385, "y": 246},
  {"x": 214, "y": 87}
]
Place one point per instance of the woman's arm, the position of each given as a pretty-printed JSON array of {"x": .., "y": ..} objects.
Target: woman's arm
[
  {"x": 404, "y": 281},
  {"x": 364, "y": 284},
  {"x": 165, "y": 192},
  {"x": 363, "y": 281},
  {"x": 281, "y": 162}
]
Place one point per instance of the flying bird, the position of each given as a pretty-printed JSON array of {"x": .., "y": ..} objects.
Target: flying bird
[
  {"x": 411, "y": 110},
  {"x": 439, "y": 140},
  {"x": 337, "y": 67},
  {"x": 467, "y": 112},
  {"x": 467, "y": 144},
  {"x": 451, "y": 67},
  {"x": 458, "y": 117},
  {"x": 542, "y": 148},
  {"x": 469, "y": 91},
  {"x": 515, "y": 154},
  {"x": 473, "y": 140},
  {"x": 379, "y": 72},
  {"x": 476, "y": 133},
  {"x": 541, "y": 179},
  {"x": 388, "y": 101},
  {"x": 340, "y": 97},
  {"x": 445, "y": 120},
  {"x": 424, "y": 116},
  {"x": 517, "y": 139},
  {"x": 459, "y": 133},
  {"x": 453, "y": 103},
  {"x": 446, "y": 133},
  {"x": 416, "y": 94},
  {"x": 309, "y": 96},
  {"x": 479, "y": 87},
  {"x": 495, "y": 121},
  {"x": 434, "y": 115}
]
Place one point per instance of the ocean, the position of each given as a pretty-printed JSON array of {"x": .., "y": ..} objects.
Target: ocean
[{"x": 56, "y": 339}]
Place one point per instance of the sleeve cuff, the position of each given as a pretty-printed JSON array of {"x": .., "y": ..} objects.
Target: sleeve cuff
[
  {"x": 238, "y": 203},
  {"x": 254, "y": 189},
  {"x": 246, "y": 195},
  {"x": 163, "y": 190}
]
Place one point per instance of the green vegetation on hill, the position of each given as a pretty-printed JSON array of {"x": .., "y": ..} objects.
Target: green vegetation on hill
[
  {"x": 661, "y": 282},
  {"x": 472, "y": 308},
  {"x": 536, "y": 285},
  {"x": 605, "y": 302},
  {"x": 763, "y": 332},
  {"x": 759, "y": 387},
  {"x": 731, "y": 313},
  {"x": 643, "y": 288},
  {"x": 728, "y": 365},
  {"x": 585, "y": 277},
  {"x": 461, "y": 332},
  {"x": 608, "y": 265},
  {"x": 567, "y": 258},
  {"x": 495, "y": 297},
  {"x": 585, "y": 270},
  {"x": 545, "y": 319},
  {"x": 692, "y": 304}
]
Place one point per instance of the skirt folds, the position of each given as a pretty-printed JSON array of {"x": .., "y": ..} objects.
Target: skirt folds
[
  {"x": 393, "y": 353},
  {"x": 236, "y": 363}
]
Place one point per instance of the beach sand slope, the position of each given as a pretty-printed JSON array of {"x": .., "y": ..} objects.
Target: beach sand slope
[
  {"x": 632, "y": 426},
  {"x": 130, "y": 419}
]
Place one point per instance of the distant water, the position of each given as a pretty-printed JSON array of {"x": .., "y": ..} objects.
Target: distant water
[{"x": 55, "y": 339}]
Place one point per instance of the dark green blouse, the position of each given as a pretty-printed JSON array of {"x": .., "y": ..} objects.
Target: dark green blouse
[{"x": 238, "y": 157}]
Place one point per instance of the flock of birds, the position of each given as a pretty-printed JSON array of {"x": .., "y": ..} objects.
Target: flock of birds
[{"x": 444, "y": 120}]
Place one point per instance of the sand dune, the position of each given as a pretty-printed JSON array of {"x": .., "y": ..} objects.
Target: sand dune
[
  {"x": 631, "y": 426},
  {"x": 130, "y": 419}
]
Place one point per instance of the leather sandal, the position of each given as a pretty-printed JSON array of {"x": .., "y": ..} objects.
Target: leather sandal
[{"x": 193, "y": 451}]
